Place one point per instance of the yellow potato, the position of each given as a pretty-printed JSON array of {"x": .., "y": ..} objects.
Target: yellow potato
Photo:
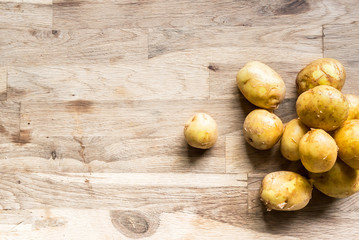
[
  {"x": 293, "y": 132},
  {"x": 340, "y": 182},
  {"x": 353, "y": 101},
  {"x": 347, "y": 139},
  {"x": 261, "y": 85},
  {"x": 201, "y": 131},
  {"x": 323, "y": 71},
  {"x": 318, "y": 151},
  {"x": 322, "y": 107},
  {"x": 285, "y": 191},
  {"x": 262, "y": 129}
]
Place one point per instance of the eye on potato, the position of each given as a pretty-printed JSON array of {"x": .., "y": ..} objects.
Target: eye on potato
[
  {"x": 353, "y": 101},
  {"x": 262, "y": 129},
  {"x": 347, "y": 139},
  {"x": 322, "y": 107},
  {"x": 285, "y": 191},
  {"x": 318, "y": 151},
  {"x": 323, "y": 71},
  {"x": 340, "y": 182},
  {"x": 261, "y": 85},
  {"x": 201, "y": 131},
  {"x": 289, "y": 145}
]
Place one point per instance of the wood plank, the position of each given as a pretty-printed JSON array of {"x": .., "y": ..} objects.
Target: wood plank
[
  {"x": 9, "y": 122},
  {"x": 232, "y": 47},
  {"x": 340, "y": 42},
  {"x": 3, "y": 83},
  {"x": 32, "y": 46},
  {"x": 160, "y": 78},
  {"x": 25, "y": 13},
  {"x": 162, "y": 13},
  {"x": 128, "y": 119},
  {"x": 110, "y": 154}
]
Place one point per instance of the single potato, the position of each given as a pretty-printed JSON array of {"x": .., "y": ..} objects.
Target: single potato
[
  {"x": 201, "y": 131},
  {"x": 261, "y": 85},
  {"x": 322, "y": 107},
  {"x": 285, "y": 191},
  {"x": 323, "y": 71},
  {"x": 262, "y": 129},
  {"x": 347, "y": 139},
  {"x": 340, "y": 182},
  {"x": 353, "y": 101},
  {"x": 293, "y": 132},
  {"x": 318, "y": 151}
]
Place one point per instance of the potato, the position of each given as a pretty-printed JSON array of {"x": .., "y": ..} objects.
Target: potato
[
  {"x": 323, "y": 71},
  {"x": 347, "y": 139},
  {"x": 353, "y": 101},
  {"x": 340, "y": 182},
  {"x": 285, "y": 191},
  {"x": 262, "y": 129},
  {"x": 261, "y": 85},
  {"x": 322, "y": 107},
  {"x": 293, "y": 132},
  {"x": 201, "y": 131},
  {"x": 318, "y": 151}
]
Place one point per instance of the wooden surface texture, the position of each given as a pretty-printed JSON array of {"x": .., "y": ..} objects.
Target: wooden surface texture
[{"x": 94, "y": 95}]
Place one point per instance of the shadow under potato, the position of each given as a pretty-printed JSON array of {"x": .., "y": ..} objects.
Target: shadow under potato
[{"x": 195, "y": 154}]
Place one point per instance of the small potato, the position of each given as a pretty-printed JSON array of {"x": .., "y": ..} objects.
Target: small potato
[
  {"x": 261, "y": 85},
  {"x": 262, "y": 129},
  {"x": 347, "y": 139},
  {"x": 353, "y": 101},
  {"x": 340, "y": 182},
  {"x": 285, "y": 191},
  {"x": 201, "y": 131},
  {"x": 323, "y": 71},
  {"x": 318, "y": 151},
  {"x": 322, "y": 107},
  {"x": 293, "y": 132}
]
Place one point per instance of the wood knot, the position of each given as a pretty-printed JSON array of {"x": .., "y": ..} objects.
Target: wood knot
[{"x": 213, "y": 67}]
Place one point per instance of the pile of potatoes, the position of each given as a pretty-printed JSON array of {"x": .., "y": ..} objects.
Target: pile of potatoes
[{"x": 324, "y": 137}]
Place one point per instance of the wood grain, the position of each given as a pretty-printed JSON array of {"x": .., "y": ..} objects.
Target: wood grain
[{"x": 3, "y": 84}]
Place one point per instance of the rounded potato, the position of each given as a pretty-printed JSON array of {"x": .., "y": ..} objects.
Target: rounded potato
[
  {"x": 347, "y": 139},
  {"x": 285, "y": 191},
  {"x": 340, "y": 182},
  {"x": 322, "y": 107},
  {"x": 318, "y": 151},
  {"x": 261, "y": 85},
  {"x": 353, "y": 102},
  {"x": 201, "y": 131},
  {"x": 262, "y": 129},
  {"x": 293, "y": 132},
  {"x": 323, "y": 71}
]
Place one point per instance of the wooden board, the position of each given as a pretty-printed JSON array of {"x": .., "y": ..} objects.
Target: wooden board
[{"x": 94, "y": 96}]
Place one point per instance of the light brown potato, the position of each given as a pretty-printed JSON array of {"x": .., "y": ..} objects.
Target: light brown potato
[
  {"x": 285, "y": 191},
  {"x": 201, "y": 131},
  {"x": 323, "y": 71},
  {"x": 318, "y": 151},
  {"x": 347, "y": 139},
  {"x": 293, "y": 132},
  {"x": 322, "y": 107},
  {"x": 340, "y": 182},
  {"x": 261, "y": 85},
  {"x": 353, "y": 101},
  {"x": 262, "y": 129}
]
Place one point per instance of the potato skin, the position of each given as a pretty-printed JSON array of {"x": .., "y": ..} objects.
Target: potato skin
[
  {"x": 318, "y": 151},
  {"x": 322, "y": 107},
  {"x": 347, "y": 139},
  {"x": 201, "y": 131},
  {"x": 261, "y": 85},
  {"x": 353, "y": 101},
  {"x": 340, "y": 182},
  {"x": 285, "y": 191},
  {"x": 293, "y": 132},
  {"x": 262, "y": 129},
  {"x": 323, "y": 71}
]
